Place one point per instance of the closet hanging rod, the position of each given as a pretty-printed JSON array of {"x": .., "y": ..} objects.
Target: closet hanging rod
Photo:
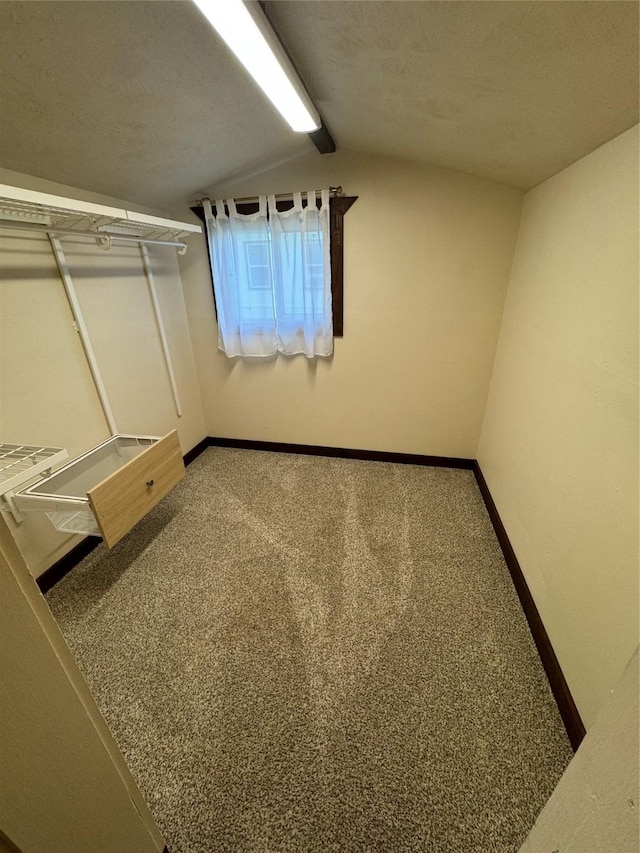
[
  {"x": 279, "y": 196},
  {"x": 100, "y": 236}
]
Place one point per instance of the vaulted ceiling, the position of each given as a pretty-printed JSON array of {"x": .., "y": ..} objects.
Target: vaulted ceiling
[{"x": 141, "y": 101}]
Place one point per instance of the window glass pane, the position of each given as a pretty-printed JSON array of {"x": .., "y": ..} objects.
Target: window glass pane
[
  {"x": 253, "y": 274},
  {"x": 313, "y": 259},
  {"x": 258, "y": 266}
]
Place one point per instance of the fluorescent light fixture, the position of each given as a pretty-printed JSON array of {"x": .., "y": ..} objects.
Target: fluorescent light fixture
[{"x": 247, "y": 32}]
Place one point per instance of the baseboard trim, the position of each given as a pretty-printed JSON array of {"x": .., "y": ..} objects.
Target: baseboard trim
[
  {"x": 559, "y": 687},
  {"x": 192, "y": 454},
  {"x": 57, "y": 571},
  {"x": 344, "y": 453}
]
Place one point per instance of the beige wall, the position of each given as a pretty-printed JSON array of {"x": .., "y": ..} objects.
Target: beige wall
[
  {"x": 47, "y": 394},
  {"x": 594, "y": 808},
  {"x": 64, "y": 785},
  {"x": 559, "y": 445},
  {"x": 427, "y": 259}
]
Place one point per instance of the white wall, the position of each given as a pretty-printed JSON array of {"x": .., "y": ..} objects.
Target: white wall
[
  {"x": 559, "y": 445},
  {"x": 427, "y": 259},
  {"x": 47, "y": 394},
  {"x": 594, "y": 808}
]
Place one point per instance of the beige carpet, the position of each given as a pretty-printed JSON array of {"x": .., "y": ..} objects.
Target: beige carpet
[{"x": 308, "y": 654}]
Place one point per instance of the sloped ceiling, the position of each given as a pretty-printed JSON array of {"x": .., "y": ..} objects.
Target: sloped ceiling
[
  {"x": 513, "y": 91},
  {"x": 140, "y": 100}
]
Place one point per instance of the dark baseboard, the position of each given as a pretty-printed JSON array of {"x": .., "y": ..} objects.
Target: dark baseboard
[
  {"x": 192, "y": 454},
  {"x": 55, "y": 573},
  {"x": 58, "y": 570},
  {"x": 345, "y": 453},
  {"x": 559, "y": 687}
]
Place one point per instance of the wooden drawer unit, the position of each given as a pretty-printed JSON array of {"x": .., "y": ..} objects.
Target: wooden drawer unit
[
  {"x": 127, "y": 495},
  {"x": 107, "y": 490}
]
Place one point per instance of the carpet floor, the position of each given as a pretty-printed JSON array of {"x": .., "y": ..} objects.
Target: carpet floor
[{"x": 307, "y": 654}]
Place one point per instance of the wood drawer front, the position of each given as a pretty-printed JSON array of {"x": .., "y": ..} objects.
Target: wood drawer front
[{"x": 123, "y": 498}]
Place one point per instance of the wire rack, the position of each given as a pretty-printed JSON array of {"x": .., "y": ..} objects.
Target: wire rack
[
  {"x": 55, "y": 212},
  {"x": 20, "y": 463}
]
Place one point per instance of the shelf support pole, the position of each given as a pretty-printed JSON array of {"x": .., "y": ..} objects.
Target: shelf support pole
[
  {"x": 146, "y": 261},
  {"x": 81, "y": 328}
]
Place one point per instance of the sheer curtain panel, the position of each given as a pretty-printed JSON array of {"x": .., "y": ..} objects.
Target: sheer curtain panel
[{"x": 272, "y": 277}]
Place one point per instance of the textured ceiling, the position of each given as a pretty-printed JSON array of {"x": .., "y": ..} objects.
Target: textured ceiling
[
  {"x": 139, "y": 100},
  {"x": 513, "y": 91}
]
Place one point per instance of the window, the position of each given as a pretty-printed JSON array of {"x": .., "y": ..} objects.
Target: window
[
  {"x": 258, "y": 257},
  {"x": 272, "y": 277}
]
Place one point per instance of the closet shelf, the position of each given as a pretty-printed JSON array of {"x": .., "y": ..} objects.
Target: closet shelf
[
  {"x": 56, "y": 214},
  {"x": 20, "y": 463}
]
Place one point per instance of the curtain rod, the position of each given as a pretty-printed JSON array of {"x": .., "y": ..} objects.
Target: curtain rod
[{"x": 281, "y": 196}]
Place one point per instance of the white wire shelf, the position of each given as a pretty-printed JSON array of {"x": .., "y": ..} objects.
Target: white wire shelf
[
  {"x": 53, "y": 213},
  {"x": 20, "y": 463}
]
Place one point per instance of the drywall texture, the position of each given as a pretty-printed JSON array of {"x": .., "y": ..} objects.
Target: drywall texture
[
  {"x": 47, "y": 394},
  {"x": 64, "y": 786},
  {"x": 559, "y": 445},
  {"x": 427, "y": 258},
  {"x": 594, "y": 809}
]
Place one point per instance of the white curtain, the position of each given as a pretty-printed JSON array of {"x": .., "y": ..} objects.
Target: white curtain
[{"x": 272, "y": 277}]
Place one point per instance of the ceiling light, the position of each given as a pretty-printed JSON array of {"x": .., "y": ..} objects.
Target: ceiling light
[{"x": 245, "y": 29}]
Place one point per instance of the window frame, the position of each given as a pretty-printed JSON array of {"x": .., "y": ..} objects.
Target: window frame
[{"x": 338, "y": 206}]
